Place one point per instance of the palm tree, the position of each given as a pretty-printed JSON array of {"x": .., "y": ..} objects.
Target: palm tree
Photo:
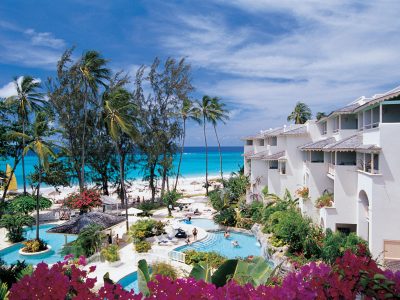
[
  {"x": 300, "y": 114},
  {"x": 42, "y": 147},
  {"x": 120, "y": 116},
  {"x": 205, "y": 107},
  {"x": 320, "y": 115},
  {"x": 218, "y": 113},
  {"x": 27, "y": 99},
  {"x": 93, "y": 73},
  {"x": 188, "y": 111}
]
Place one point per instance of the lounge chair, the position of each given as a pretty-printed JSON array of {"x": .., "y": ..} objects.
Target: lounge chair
[{"x": 163, "y": 242}]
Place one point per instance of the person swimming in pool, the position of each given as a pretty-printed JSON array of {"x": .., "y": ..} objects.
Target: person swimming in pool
[
  {"x": 226, "y": 234},
  {"x": 235, "y": 244}
]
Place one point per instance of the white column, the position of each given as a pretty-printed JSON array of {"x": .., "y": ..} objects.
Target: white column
[{"x": 380, "y": 113}]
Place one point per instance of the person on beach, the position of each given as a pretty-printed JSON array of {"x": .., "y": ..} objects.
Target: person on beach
[
  {"x": 188, "y": 241},
  {"x": 189, "y": 218},
  {"x": 109, "y": 238},
  {"x": 194, "y": 233},
  {"x": 117, "y": 240}
]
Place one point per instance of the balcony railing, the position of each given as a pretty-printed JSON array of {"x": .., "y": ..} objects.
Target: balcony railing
[{"x": 331, "y": 169}]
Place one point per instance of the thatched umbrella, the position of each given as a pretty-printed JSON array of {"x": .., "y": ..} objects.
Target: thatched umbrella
[{"x": 75, "y": 225}]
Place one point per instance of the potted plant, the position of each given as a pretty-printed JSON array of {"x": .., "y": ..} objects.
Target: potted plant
[
  {"x": 111, "y": 254},
  {"x": 303, "y": 192},
  {"x": 326, "y": 200}
]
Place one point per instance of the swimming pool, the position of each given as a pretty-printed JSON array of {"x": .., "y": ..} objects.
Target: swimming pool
[
  {"x": 248, "y": 245},
  {"x": 56, "y": 241},
  {"x": 206, "y": 224},
  {"x": 130, "y": 282}
]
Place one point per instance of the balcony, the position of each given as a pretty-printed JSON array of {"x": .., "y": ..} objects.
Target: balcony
[{"x": 331, "y": 170}]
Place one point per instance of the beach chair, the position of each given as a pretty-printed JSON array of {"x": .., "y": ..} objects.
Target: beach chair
[{"x": 163, "y": 242}]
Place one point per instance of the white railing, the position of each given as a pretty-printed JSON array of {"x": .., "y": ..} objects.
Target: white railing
[
  {"x": 331, "y": 169},
  {"x": 177, "y": 256}
]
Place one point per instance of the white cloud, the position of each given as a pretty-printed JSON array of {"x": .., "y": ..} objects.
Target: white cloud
[
  {"x": 9, "y": 89},
  {"x": 27, "y": 47},
  {"x": 331, "y": 53}
]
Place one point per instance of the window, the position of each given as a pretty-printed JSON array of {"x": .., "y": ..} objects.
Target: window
[
  {"x": 369, "y": 162},
  {"x": 336, "y": 124},
  {"x": 261, "y": 142},
  {"x": 317, "y": 156},
  {"x": 272, "y": 141},
  {"x": 323, "y": 128},
  {"x": 273, "y": 164},
  {"x": 249, "y": 142},
  {"x": 282, "y": 167}
]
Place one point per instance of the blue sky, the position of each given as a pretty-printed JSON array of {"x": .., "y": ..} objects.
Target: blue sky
[{"x": 259, "y": 56}]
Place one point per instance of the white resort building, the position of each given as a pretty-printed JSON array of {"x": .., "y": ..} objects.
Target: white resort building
[{"x": 351, "y": 157}]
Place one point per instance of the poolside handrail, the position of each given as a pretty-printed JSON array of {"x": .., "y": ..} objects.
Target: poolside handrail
[{"x": 177, "y": 256}]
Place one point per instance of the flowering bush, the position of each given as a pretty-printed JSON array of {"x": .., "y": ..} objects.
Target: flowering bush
[
  {"x": 65, "y": 280},
  {"x": 83, "y": 201},
  {"x": 350, "y": 276}
]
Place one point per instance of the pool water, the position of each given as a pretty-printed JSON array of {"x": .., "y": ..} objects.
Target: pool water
[
  {"x": 248, "y": 245},
  {"x": 56, "y": 241},
  {"x": 206, "y": 224},
  {"x": 130, "y": 282}
]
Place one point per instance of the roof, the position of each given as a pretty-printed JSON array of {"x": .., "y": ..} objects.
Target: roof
[
  {"x": 276, "y": 156},
  {"x": 259, "y": 155},
  {"x": 76, "y": 225},
  {"x": 380, "y": 98},
  {"x": 248, "y": 154},
  {"x": 352, "y": 143},
  {"x": 274, "y": 132},
  {"x": 318, "y": 145},
  {"x": 298, "y": 130}
]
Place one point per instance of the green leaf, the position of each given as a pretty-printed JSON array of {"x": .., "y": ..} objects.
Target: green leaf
[
  {"x": 143, "y": 275},
  {"x": 201, "y": 272},
  {"x": 224, "y": 272}
]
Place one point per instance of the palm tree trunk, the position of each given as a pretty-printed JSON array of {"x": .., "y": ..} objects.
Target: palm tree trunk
[
  {"x": 220, "y": 153},
  {"x": 83, "y": 143},
  {"x": 23, "y": 155},
  {"x": 180, "y": 158},
  {"x": 122, "y": 179},
  {"x": 205, "y": 140},
  {"x": 37, "y": 199}
]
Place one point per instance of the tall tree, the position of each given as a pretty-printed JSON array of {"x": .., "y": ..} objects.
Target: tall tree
[
  {"x": 121, "y": 116},
  {"x": 93, "y": 75},
  {"x": 42, "y": 146},
  {"x": 320, "y": 115},
  {"x": 218, "y": 113},
  {"x": 188, "y": 112},
  {"x": 28, "y": 99},
  {"x": 300, "y": 114},
  {"x": 205, "y": 107}
]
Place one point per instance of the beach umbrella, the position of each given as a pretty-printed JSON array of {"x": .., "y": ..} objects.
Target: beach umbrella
[
  {"x": 13, "y": 186},
  {"x": 76, "y": 225},
  {"x": 185, "y": 201},
  {"x": 134, "y": 211}
]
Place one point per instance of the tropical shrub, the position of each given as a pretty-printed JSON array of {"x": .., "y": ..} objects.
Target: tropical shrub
[
  {"x": 213, "y": 259},
  {"x": 143, "y": 229},
  {"x": 110, "y": 253},
  {"x": 27, "y": 204},
  {"x": 236, "y": 187},
  {"x": 291, "y": 228},
  {"x": 142, "y": 246},
  {"x": 170, "y": 198},
  {"x": 33, "y": 246},
  {"x": 84, "y": 201},
  {"x": 163, "y": 269},
  {"x": 149, "y": 206},
  {"x": 336, "y": 243},
  {"x": 226, "y": 217},
  {"x": 88, "y": 242},
  {"x": 326, "y": 200},
  {"x": 14, "y": 223},
  {"x": 12, "y": 273},
  {"x": 216, "y": 199},
  {"x": 245, "y": 223}
]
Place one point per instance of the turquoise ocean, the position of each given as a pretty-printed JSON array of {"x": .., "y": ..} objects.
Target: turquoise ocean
[{"x": 193, "y": 163}]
